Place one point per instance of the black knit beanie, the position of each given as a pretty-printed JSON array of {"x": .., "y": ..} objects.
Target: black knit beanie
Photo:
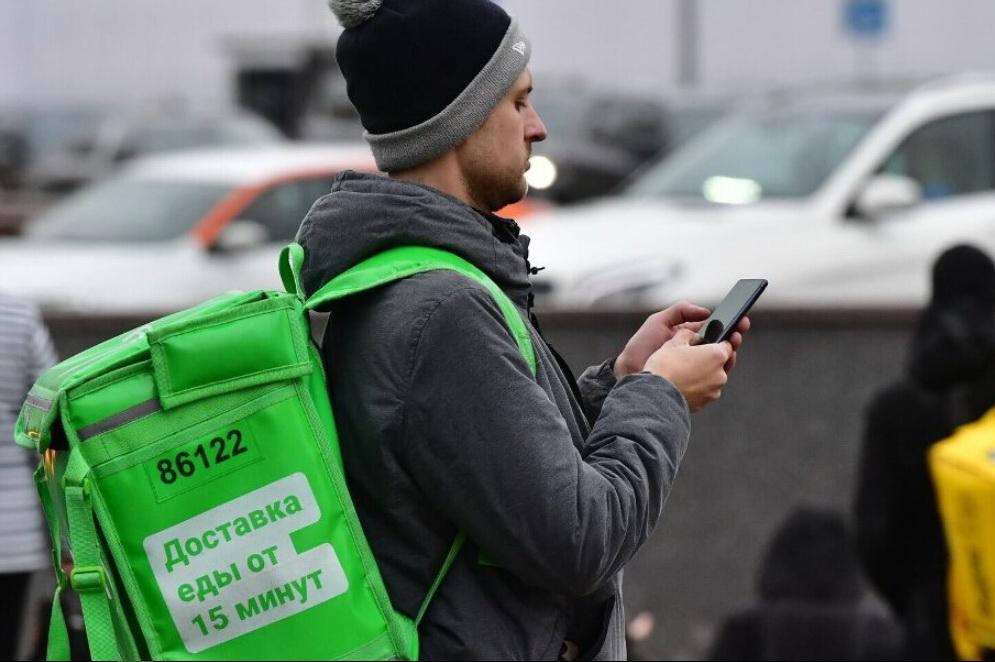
[{"x": 425, "y": 74}]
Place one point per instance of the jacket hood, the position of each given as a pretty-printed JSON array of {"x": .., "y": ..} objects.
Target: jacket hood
[
  {"x": 367, "y": 214},
  {"x": 954, "y": 344}
]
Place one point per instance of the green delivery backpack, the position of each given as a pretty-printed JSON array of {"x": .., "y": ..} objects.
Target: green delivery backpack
[{"x": 193, "y": 467}]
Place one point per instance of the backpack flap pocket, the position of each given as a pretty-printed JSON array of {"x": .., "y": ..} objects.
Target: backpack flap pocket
[{"x": 258, "y": 343}]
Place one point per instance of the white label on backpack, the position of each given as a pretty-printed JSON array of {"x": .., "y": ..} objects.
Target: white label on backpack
[{"x": 234, "y": 569}]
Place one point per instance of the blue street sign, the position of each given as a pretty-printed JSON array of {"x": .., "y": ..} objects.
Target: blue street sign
[{"x": 867, "y": 19}]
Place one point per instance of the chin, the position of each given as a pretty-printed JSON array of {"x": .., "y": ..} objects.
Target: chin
[
  {"x": 521, "y": 190},
  {"x": 512, "y": 198}
]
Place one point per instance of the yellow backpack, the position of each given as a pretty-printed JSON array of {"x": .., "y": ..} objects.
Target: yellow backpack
[{"x": 963, "y": 469}]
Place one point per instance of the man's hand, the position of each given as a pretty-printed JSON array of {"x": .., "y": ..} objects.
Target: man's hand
[
  {"x": 698, "y": 372},
  {"x": 661, "y": 327}
]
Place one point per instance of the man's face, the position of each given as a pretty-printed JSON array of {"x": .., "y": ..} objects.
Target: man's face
[{"x": 494, "y": 158}]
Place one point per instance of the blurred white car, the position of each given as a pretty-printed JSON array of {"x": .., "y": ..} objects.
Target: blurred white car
[
  {"x": 839, "y": 200},
  {"x": 120, "y": 139},
  {"x": 172, "y": 231}
]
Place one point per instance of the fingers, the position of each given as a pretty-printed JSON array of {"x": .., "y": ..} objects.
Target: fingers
[
  {"x": 681, "y": 312},
  {"x": 684, "y": 337},
  {"x": 730, "y": 365},
  {"x": 736, "y": 340},
  {"x": 723, "y": 352},
  {"x": 720, "y": 381},
  {"x": 706, "y": 397},
  {"x": 693, "y": 326},
  {"x": 744, "y": 325}
]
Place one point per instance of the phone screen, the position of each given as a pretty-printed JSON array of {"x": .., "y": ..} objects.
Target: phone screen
[{"x": 734, "y": 306}]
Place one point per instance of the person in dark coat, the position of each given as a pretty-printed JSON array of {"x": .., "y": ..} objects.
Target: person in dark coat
[
  {"x": 950, "y": 380},
  {"x": 809, "y": 587}
]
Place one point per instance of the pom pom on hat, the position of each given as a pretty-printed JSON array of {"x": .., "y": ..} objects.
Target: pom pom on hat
[{"x": 354, "y": 12}]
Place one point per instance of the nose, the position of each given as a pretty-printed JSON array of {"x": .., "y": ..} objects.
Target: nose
[{"x": 535, "y": 130}]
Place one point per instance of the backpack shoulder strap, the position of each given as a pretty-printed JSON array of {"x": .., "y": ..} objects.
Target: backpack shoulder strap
[{"x": 396, "y": 264}]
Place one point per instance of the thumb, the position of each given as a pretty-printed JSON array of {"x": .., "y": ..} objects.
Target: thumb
[{"x": 684, "y": 337}]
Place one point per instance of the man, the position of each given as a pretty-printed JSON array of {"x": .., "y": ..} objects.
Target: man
[
  {"x": 25, "y": 352},
  {"x": 444, "y": 428}
]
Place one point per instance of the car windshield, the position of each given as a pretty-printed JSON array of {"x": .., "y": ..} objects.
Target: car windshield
[
  {"x": 128, "y": 210},
  {"x": 786, "y": 153}
]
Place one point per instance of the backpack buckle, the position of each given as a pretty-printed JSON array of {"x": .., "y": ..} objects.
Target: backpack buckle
[{"x": 87, "y": 579}]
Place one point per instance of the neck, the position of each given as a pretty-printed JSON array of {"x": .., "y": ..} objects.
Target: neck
[{"x": 442, "y": 173}]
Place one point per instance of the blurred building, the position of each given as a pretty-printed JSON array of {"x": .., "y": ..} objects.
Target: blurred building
[{"x": 107, "y": 51}]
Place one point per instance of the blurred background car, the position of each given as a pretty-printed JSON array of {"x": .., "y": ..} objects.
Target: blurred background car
[
  {"x": 598, "y": 139},
  {"x": 29, "y": 135},
  {"x": 119, "y": 139},
  {"x": 173, "y": 230},
  {"x": 839, "y": 198}
]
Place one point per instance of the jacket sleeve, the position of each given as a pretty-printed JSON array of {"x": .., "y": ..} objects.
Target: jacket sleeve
[
  {"x": 595, "y": 384},
  {"x": 492, "y": 452}
]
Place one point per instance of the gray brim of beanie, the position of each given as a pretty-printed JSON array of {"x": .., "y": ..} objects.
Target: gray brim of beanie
[{"x": 407, "y": 148}]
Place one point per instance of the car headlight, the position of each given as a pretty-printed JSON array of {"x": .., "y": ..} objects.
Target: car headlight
[
  {"x": 625, "y": 285},
  {"x": 542, "y": 172}
]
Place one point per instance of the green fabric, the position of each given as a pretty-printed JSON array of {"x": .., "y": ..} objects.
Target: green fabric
[
  {"x": 88, "y": 577},
  {"x": 454, "y": 551},
  {"x": 58, "y": 635},
  {"x": 207, "y": 510},
  {"x": 291, "y": 263},
  {"x": 231, "y": 338}
]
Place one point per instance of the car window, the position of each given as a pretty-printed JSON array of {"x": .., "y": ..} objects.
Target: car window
[
  {"x": 166, "y": 136},
  {"x": 779, "y": 153},
  {"x": 949, "y": 156},
  {"x": 125, "y": 209},
  {"x": 282, "y": 208},
  {"x": 49, "y": 130},
  {"x": 248, "y": 130}
]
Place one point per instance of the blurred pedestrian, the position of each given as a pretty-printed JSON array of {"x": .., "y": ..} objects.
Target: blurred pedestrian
[
  {"x": 25, "y": 352},
  {"x": 444, "y": 427},
  {"x": 950, "y": 380},
  {"x": 810, "y": 590}
]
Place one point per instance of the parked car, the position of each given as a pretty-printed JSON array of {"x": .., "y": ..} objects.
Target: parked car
[
  {"x": 839, "y": 199},
  {"x": 122, "y": 138},
  {"x": 598, "y": 140},
  {"x": 171, "y": 231},
  {"x": 29, "y": 135}
]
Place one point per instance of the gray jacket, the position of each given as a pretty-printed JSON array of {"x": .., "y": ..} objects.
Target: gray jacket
[{"x": 444, "y": 428}]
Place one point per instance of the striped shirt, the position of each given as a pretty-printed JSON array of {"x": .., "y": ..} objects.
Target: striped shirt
[{"x": 25, "y": 352}]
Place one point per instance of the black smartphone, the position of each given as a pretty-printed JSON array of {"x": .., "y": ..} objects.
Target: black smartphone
[{"x": 734, "y": 306}]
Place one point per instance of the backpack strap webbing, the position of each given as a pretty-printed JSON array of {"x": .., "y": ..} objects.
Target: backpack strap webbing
[
  {"x": 89, "y": 576},
  {"x": 387, "y": 267},
  {"x": 58, "y": 635}
]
